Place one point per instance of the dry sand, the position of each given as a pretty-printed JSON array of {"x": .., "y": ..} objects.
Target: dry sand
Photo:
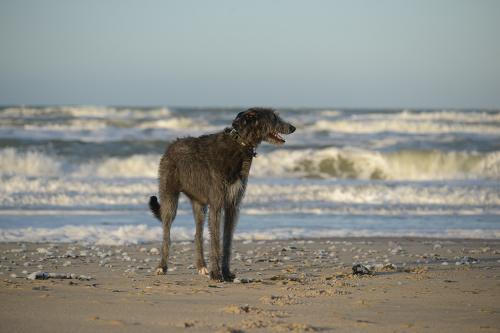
[{"x": 285, "y": 286}]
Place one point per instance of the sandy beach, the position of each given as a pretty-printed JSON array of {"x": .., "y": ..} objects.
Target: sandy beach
[{"x": 417, "y": 285}]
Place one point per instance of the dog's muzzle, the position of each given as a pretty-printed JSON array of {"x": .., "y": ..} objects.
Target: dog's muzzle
[{"x": 275, "y": 136}]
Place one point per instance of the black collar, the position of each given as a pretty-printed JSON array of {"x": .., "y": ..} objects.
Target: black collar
[{"x": 233, "y": 133}]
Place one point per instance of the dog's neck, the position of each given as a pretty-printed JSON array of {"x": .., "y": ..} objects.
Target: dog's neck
[{"x": 233, "y": 133}]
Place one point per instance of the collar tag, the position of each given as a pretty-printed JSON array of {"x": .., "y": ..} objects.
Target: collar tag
[{"x": 233, "y": 133}]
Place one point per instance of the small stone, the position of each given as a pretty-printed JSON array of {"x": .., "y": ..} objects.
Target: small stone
[
  {"x": 397, "y": 250},
  {"x": 44, "y": 275},
  {"x": 390, "y": 267},
  {"x": 38, "y": 276},
  {"x": 360, "y": 269},
  {"x": 467, "y": 261},
  {"x": 43, "y": 250}
]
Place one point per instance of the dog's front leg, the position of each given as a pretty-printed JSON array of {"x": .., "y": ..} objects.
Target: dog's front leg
[
  {"x": 230, "y": 220},
  {"x": 214, "y": 229}
]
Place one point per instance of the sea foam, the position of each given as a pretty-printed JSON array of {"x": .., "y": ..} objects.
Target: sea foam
[
  {"x": 402, "y": 126},
  {"x": 135, "y": 234},
  {"x": 84, "y": 112},
  {"x": 20, "y": 191}
]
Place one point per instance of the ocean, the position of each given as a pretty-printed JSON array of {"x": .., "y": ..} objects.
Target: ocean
[{"x": 85, "y": 173}]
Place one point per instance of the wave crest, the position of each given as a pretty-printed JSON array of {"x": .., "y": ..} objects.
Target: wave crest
[
  {"x": 30, "y": 163},
  {"x": 362, "y": 164},
  {"x": 401, "y": 126},
  {"x": 418, "y": 165},
  {"x": 84, "y": 112}
]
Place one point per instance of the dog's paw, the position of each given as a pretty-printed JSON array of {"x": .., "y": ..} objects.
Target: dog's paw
[
  {"x": 161, "y": 271},
  {"x": 203, "y": 271},
  {"x": 216, "y": 276},
  {"x": 228, "y": 276}
]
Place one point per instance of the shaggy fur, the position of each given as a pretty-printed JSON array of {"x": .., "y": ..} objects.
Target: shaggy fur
[{"x": 212, "y": 170}]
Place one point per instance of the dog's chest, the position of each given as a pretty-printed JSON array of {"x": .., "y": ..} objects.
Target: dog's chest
[{"x": 235, "y": 190}]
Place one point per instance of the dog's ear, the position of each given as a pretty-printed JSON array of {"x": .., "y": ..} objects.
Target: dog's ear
[
  {"x": 239, "y": 115},
  {"x": 238, "y": 121},
  {"x": 245, "y": 119}
]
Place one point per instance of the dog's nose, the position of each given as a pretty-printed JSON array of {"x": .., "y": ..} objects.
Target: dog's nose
[{"x": 292, "y": 128}]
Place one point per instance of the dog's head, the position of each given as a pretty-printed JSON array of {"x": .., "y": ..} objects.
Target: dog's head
[{"x": 260, "y": 124}]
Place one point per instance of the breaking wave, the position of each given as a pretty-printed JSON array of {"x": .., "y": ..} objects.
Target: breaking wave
[
  {"x": 84, "y": 112},
  {"x": 300, "y": 196},
  {"x": 34, "y": 163},
  {"x": 365, "y": 126},
  {"x": 87, "y": 118},
  {"x": 362, "y": 164},
  {"x": 31, "y": 163},
  {"x": 431, "y": 122},
  {"x": 305, "y": 163}
]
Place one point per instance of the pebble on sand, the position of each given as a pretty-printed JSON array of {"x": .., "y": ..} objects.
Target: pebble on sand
[
  {"x": 466, "y": 261},
  {"x": 39, "y": 275},
  {"x": 360, "y": 269}
]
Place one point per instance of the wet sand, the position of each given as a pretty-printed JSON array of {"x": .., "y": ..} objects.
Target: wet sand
[{"x": 418, "y": 285}]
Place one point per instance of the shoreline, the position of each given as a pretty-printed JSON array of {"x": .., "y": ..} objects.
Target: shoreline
[
  {"x": 303, "y": 285},
  {"x": 256, "y": 240}
]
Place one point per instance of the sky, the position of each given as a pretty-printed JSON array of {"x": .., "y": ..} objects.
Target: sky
[{"x": 351, "y": 54}]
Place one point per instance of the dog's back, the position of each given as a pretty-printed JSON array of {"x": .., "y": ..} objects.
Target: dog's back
[{"x": 201, "y": 166}]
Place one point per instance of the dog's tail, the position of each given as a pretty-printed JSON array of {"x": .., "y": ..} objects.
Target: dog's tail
[{"x": 154, "y": 205}]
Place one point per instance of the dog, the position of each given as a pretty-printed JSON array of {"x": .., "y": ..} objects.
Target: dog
[{"x": 212, "y": 170}]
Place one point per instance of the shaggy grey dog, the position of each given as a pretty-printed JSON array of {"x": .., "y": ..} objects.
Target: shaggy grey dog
[{"x": 212, "y": 170}]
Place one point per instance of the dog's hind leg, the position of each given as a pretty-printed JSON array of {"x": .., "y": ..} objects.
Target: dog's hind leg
[
  {"x": 214, "y": 228},
  {"x": 168, "y": 203},
  {"x": 199, "y": 212},
  {"x": 230, "y": 219}
]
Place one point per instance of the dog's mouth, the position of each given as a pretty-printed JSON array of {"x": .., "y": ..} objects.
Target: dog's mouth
[{"x": 275, "y": 138}]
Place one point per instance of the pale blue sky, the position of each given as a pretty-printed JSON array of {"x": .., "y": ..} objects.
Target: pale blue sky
[{"x": 421, "y": 53}]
